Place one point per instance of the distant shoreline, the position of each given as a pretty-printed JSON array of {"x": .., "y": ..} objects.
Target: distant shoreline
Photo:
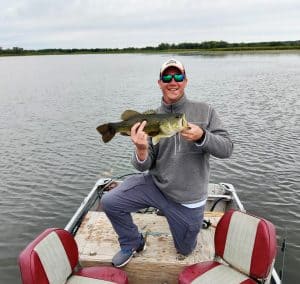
[
  {"x": 179, "y": 52},
  {"x": 205, "y": 48}
]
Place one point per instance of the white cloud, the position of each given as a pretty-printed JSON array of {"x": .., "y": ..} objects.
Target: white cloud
[{"x": 118, "y": 23}]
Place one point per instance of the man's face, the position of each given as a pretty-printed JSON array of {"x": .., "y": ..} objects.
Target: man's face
[{"x": 173, "y": 90}]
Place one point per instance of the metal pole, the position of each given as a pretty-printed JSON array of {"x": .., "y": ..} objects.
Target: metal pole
[{"x": 84, "y": 205}]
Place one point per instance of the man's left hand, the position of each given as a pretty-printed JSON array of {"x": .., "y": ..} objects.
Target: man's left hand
[{"x": 193, "y": 133}]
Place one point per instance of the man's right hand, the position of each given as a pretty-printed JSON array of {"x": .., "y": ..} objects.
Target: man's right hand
[{"x": 140, "y": 139}]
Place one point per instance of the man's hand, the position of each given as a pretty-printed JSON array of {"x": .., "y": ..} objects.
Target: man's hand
[
  {"x": 193, "y": 133},
  {"x": 140, "y": 139}
]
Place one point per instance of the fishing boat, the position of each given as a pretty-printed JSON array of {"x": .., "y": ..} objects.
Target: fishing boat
[{"x": 159, "y": 263}]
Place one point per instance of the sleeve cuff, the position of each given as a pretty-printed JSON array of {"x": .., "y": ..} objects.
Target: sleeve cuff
[
  {"x": 138, "y": 160},
  {"x": 202, "y": 140}
]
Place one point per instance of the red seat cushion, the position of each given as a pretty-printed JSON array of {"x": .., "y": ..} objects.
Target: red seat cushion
[
  {"x": 42, "y": 259},
  {"x": 111, "y": 274},
  {"x": 31, "y": 267},
  {"x": 246, "y": 242}
]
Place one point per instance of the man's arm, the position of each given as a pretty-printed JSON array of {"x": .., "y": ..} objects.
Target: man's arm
[{"x": 214, "y": 140}]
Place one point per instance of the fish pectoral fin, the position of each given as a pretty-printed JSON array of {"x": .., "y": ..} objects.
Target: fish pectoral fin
[
  {"x": 127, "y": 114},
  {"x": 155, "y": 139},
  {"x": 125, "y": 133}
]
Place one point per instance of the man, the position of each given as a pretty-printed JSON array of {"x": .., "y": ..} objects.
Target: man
[{"x": 178, "y": 170}]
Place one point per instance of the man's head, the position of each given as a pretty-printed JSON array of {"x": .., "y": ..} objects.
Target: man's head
[{"x": 172, "y": 80}]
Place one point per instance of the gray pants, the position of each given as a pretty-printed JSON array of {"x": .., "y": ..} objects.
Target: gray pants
[{"x": 138, "y": 192}]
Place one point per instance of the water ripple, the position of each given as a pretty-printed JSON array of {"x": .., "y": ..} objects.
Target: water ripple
[{"x": 52, "y": 154}]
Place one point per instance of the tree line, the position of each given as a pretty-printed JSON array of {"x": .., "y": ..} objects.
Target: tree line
[{"x": 162, "y": 47}]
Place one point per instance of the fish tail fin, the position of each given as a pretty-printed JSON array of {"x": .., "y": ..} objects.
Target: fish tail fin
[{"x": 107, "y": 131}]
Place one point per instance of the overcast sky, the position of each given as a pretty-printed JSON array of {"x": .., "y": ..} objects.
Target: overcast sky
[{"x": 37, "y": 24}]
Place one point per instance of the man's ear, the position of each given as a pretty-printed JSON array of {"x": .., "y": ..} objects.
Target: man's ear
[{"x": 186, "y": 81}]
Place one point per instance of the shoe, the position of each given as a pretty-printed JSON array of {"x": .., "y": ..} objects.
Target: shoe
[
  {"x": 125, "y": 255},
  {"x": 142, "y": 245}
]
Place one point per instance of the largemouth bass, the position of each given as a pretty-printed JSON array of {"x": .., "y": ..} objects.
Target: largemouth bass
[{"x": 159, "y": 125}]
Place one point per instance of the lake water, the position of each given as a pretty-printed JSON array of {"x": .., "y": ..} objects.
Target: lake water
[{"x": 51, "y": 154}]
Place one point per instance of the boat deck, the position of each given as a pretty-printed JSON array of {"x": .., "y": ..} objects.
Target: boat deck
[{"x": 159, "y": 263}]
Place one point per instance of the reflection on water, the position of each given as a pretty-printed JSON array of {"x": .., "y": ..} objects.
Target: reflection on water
[{"x": 51, "y": 154}]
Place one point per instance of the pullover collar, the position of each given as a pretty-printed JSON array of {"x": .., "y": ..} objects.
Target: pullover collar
[{"x": 175, "y": 107}]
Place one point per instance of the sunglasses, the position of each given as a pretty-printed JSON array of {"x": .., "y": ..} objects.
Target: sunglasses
[{"x": 168, "y": 78}]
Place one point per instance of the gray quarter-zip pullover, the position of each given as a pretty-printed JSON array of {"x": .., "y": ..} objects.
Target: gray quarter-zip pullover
[{"x": 180, "y": 168}]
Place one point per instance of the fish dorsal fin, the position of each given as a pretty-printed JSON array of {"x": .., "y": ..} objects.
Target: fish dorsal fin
[
  {"x": 150, "y": 111},
  {"x": 127, "y": 114}
]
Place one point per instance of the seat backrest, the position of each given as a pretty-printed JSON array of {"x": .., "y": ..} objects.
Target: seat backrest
[
  {"x": 246, "y": 242},
  {"x": 50, "y": 258}
]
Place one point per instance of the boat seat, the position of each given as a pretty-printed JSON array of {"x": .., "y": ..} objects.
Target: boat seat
[
  {"x": 53, "y": 258},
  {"x": 245, "y": 249}
]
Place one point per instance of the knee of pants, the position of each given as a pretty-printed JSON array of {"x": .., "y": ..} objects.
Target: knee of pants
[
  {"x": 186, "y": 250},
  {"x": 188, "y": 242},
  {"x": 106, "y": 202}
]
